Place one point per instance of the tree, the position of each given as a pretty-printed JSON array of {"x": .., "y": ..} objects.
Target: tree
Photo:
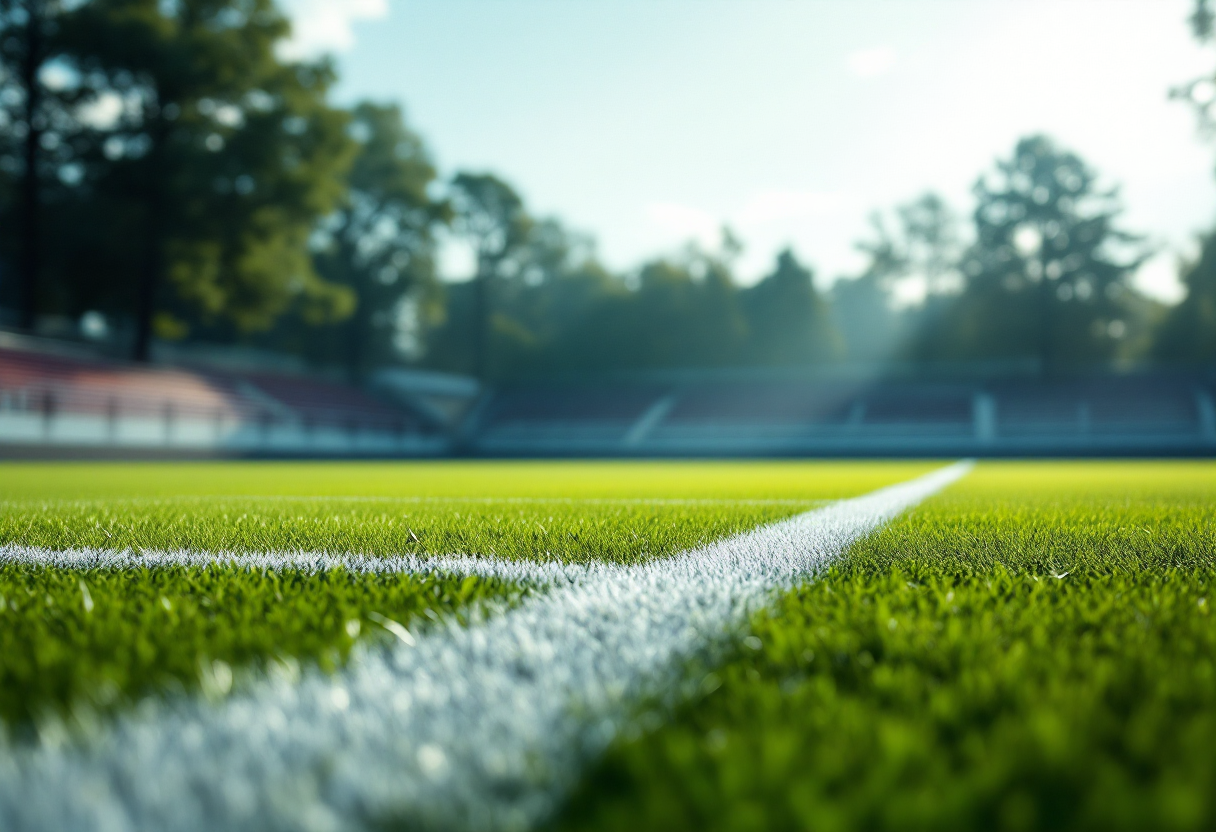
[
  {"x": 537, "y": 319},
  {"x": 379, "y": 244},
  {"x": 1200, "y": 92},
  {"x": 30, "y": 125},
  {"x": 862, "y": 313},
  {"x": 681, "y": 312},
  {"x": 930, "y": 247},
  {"x": 490, "y": 215},
  {"x": 219, "y": 162},
  {"x": 556, "y": 280},
  {"x": 1048, "y": 276},
  {"x": 788, "y": 322},
  {"x": 1188, "y": 331},
  {"x": 915, "y": 259}
]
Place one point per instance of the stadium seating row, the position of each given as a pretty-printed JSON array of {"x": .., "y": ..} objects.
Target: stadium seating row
[
  {"x": 59, "y": 399},
  {"x": 66, "y": 400},
  {"x": 1133, "y": 412}
]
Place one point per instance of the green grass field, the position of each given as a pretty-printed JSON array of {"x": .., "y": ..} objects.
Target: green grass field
[
  {"x": 1032, "y": 648},
  {"x": 166, "y": 629}
]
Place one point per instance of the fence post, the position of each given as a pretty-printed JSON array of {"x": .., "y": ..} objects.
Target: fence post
[
  {"x": 1207, "y": 415},
  {"x": 112, "y": 420},
  {"x": 48, "y": 412},
  {"x": 983, "y": 410},
  {"x": 168, "y": 417}
]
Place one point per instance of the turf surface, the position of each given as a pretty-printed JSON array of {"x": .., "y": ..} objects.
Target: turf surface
[
  {"x": 612, "y": 511},
  {"x": 715, "y": 481},
  {"x": 539, "y": 529},
  {"x": 1033, "y": 649},
  {"x": 100, "y": 638}
]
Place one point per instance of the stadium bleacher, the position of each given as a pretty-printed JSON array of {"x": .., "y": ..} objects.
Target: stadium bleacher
[
  {"x": 558, "y": 418},
  {"x": 30, "y": 380},
  {"x": 744, "y": 403},
  {"x": 66, "y": 399},
  {"x": 75, "y": 400},
  {"x": 1112, "y": 406},
  {"x": 1128, "y": 414},
  {"x": 317, "y": 402}
]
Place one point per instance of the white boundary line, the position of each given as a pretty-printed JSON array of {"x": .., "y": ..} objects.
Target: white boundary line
[
  {"x": 483, "y": 727},
  {"x": 521, "y": 571}
]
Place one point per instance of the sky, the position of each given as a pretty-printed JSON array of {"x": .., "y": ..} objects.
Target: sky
[{"x": 649, "y": 123}]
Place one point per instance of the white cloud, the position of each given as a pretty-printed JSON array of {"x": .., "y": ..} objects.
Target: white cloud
[
  {"x": 872, "y": 62},
  {"x": 325, "y": 25}
]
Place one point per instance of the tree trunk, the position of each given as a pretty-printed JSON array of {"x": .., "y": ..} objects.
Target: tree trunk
[
  {"x": 1047, "y": 358},
  {"x": 357, "y": 335},
  {"x": 481, "y": 323},
  {"x": 355, "y": 329},
  {"x": 152, "y": 267},
  {"x": 31, "y": 201}
]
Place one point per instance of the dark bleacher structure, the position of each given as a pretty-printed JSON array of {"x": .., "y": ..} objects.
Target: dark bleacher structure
[
  {"x": 69, "y": 401},
  {"x": 1110, "y": 414},
  {"x": 59, "y": 400}
]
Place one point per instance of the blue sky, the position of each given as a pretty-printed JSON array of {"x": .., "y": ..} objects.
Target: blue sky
[{"x": 651, "y": 123}]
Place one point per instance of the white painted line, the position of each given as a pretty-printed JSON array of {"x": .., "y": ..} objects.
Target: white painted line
[
  {"x": 519, "y": 571},
  {"x": 482, "y": 727}
]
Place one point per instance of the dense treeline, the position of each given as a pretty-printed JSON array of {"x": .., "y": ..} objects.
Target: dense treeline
[{"x": 165, "y": 174}]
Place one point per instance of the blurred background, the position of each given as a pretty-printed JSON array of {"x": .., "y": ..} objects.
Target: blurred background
[{"x": 394, "y": 228}]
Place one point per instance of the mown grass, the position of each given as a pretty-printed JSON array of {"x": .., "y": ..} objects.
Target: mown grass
[
  {"x": 576, "y": 512},
  {"x": 539, "y": 529},
  {"x": 100, "y": 638},
  {"x": 463, "y": 479},
  {"x": 1033, "y": 649}
]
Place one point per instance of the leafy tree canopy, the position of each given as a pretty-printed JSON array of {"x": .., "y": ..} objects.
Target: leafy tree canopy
[
  {"x": 1047, "y": 276},
  {"x": 206, "y": 161},
  {"x": 380, "y": 246}
]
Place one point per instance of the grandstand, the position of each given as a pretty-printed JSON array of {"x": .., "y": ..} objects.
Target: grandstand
[
  {"x": 1138, "y": 413},
  {"x": 63, "y": 400},
  {"x": 60, "y": 401}
]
